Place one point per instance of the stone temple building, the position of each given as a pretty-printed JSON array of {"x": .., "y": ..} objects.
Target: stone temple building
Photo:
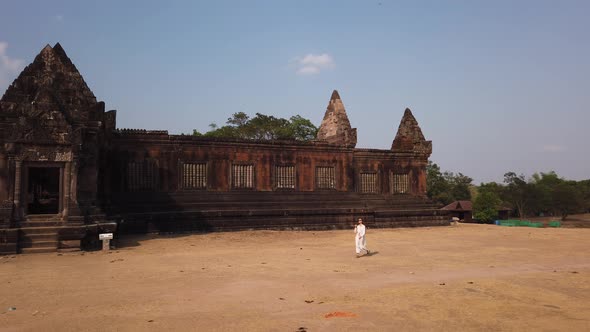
[{"x": 67, "y": 173}]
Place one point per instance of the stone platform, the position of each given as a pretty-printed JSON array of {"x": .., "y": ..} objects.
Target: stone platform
[{"x": 206, "y": 211}]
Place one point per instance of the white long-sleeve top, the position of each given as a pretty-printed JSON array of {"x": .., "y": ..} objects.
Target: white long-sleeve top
[{"x": 359, "y": 230}]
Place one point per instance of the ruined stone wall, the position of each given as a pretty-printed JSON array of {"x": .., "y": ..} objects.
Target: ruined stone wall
[
  {"x": 169, "y": 152},
  {"x": 385, "y": 162}
]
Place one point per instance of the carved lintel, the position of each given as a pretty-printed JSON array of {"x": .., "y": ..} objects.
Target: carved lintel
[
  {"x": 46, "y": 154},
  {"x": 63, "y": 156}
]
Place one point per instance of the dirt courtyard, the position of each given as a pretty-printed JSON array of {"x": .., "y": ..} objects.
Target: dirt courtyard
[{"x": 465, "y": 277}]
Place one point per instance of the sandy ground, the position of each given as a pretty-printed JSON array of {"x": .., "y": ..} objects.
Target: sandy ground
[{"x": 466, "y": 277}]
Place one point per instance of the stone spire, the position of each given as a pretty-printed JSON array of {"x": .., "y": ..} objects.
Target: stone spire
[
  {"x": 335, "y": 128},
  {"x": 52, "y": 79},
  {"x": 61, "y": 53},
  {"x": 409, "y": 137}
]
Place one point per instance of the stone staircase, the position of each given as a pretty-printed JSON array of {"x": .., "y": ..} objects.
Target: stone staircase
[
  {"x": 40, "y": 234},
  {"x": 37, "y": 240}
]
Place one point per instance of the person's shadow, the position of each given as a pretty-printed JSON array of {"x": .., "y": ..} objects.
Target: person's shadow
[{"x": 370, "y": 253}]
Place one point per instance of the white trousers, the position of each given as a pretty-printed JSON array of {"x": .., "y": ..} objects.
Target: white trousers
[{"x": 361, "y": 244}]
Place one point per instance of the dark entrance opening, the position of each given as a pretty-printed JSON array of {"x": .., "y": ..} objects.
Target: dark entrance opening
[{"x": 43, "y": 191}]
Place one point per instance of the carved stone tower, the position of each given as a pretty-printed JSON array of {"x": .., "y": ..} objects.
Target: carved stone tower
[
  {"x": 411, "y": 152},
  {"x": 409, "y": 137},
  {"x": 335, "y": 127},
  {"x": 52, "y": 132}
]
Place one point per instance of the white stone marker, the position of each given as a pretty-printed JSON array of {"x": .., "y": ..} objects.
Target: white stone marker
[{"x": 106, "y": 240}]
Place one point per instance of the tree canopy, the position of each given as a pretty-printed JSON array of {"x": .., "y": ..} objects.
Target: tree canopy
[
  {"x": 541, "y": 194},
  {"x": 263, "y": 127},
  {"x": 446, "y": 187},
  {"x": 485, "y": 206}
]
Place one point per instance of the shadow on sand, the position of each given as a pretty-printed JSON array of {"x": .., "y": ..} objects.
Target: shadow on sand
[{"x": 370, "y": 253}]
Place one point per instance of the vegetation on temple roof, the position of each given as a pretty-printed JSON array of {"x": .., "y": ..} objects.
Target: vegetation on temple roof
[{"x": 263, "y": 127}]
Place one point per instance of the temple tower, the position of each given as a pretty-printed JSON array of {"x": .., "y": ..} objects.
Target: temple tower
[
  {"x": 409, "y": 137},
  {"x": 52, "y": 132},
  {"x": 335, "y": 127},
  {"x": 411, "y": 151}
]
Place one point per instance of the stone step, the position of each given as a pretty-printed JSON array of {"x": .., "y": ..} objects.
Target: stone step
[
  {"x": 267, "y": 205},
  {"x": 39, "y": 244},
  {"x": 403, "y": 210},
  {"x": 8, "y": 248},
  {"x": 38, "y": 250},
  {"x": 28, "y": 231},
  {"x": 41, "y": 217},
  {"x": 280, "y": 212},
  {"x": 42, "y": 223},
  {"x": 257, "y": 199},
  {"x": 38, "y": 237},
  {"x": 69, "y": 244},
  {"x": 66, "y": 250}
]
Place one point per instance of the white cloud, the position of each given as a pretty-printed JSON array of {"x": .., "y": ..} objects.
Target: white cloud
[
  {"x": 308, "y": 70},
  {"x": 9, "y": 67},
  {"x": 6, "y": 62},
  {"x": 553, "y": 148},
  {"x": 312, "y": 64}
]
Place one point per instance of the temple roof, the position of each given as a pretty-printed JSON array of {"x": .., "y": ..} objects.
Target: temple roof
[
  {"x": 409, "y": 127},
  {"x": 459, "y": 206},
  {"x": 409, "y": 136},
  {"x": 335, "y": 95},
  {"x": 50, "y": 78},
  {"x": 335, "y": 128}
]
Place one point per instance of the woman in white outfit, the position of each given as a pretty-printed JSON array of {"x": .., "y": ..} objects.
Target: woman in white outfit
[{"x": 360, "y": 238}]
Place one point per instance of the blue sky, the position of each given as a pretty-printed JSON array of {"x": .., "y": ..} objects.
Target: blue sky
[{"x": 496, "y": 85}]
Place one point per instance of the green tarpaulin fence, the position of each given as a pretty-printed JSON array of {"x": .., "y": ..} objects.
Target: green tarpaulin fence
[{"x": 525, "y": 223}]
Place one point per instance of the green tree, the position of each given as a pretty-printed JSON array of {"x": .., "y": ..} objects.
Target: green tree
[
  {"x": 584, "y": 188},
  {"x": 446, "y": 187},
  {"x": 542, "y": 184},
  {"x": 302, "y": 129},
  {"x": 238, "y": 119},
  {"x": 555, "y": 195},
  {"x": 460, "y": 186},
  {"x": 485, "y": 206},
  {"x": 437, "y": 187},
  {"x": 267, "y": 127},
  {"x": 566, "y": 199},
  {"x": 517, "y": 192},
  {"x": 263, "y": 127},
  {"x": 493, "y": 187}
]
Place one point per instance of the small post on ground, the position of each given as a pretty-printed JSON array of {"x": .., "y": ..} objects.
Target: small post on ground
[{"x": 106, "y": 240}]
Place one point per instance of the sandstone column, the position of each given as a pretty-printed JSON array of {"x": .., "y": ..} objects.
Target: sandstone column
[
  {"x": 17, "y": 189},
  {"x": 67, "y": 188}
]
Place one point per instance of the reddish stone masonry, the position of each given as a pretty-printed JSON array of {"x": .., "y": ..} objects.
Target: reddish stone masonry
[{"x": 67, "y": 173}]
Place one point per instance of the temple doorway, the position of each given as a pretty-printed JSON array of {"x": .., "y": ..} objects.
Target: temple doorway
[{"x": 43, "y": 190}]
